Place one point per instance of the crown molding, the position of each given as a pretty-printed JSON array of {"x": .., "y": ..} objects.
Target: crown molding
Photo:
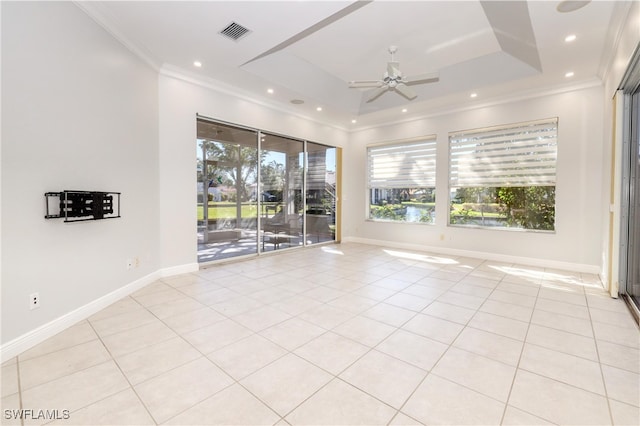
[
  {"x": 105, "y": 20},
  {"x": 230, "y": 90},
  {"x": 499, "y": 100},
  {"x": 614, "y": 34}
]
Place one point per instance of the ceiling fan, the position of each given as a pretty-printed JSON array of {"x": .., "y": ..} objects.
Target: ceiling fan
[{"x": 394, "y": 80}]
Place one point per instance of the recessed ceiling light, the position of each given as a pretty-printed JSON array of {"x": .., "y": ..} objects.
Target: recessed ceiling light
[
  {"x": 319, "y": 109},
  {"x": 569, "y": 74},
  {"x": 571, "y": 5},
  {"x": 404, "y": 110},
  {"x": 270, "y": 91},
  {"x": 353, "y": 121},
  {"x": 197, "y": 64},
  {"x": 570, "y": 38},
  {"x": 473, "y": 95}
]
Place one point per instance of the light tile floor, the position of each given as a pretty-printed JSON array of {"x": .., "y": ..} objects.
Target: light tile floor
[{"x": 343, "y": 334}]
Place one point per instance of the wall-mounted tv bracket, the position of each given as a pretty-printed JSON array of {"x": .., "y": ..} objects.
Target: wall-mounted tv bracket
[{"x": 76, "y": 206}]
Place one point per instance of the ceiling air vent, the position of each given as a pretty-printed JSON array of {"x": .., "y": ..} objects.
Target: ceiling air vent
[{"x": 235, "y": 31}]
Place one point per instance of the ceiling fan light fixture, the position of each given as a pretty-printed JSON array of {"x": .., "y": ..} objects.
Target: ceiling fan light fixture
[{"x": 393, "y": 80}]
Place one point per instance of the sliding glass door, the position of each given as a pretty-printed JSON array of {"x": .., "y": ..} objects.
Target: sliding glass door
[
  {"x": 227, "y": 180},
  {"x": 320, "y": 214},
  {"x": 281, "y": 183},
  {"x": 630, "y": 235},
  {"x": 261, "y": 192}
]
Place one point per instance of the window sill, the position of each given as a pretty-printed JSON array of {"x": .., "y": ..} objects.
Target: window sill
[
  {"x": 398, "y": 222},
  {"x": 501, "y": 228}
]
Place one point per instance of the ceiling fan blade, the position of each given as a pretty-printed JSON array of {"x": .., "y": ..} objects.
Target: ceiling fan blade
[
  {"x": 405, "y": 91},
  {"x": 366, "y": 83},
  {"x": 393, "y": 68},
  {"x": 429, "y": 77},
  {"x": 374, "y": 94}
]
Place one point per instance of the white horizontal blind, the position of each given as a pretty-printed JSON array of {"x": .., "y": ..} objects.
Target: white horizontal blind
[
  {"x": 522, "y": 154},
  {"x": 403, "y": 165}
]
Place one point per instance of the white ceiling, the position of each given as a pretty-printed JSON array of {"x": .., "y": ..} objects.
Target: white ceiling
[{"x": 310, "y": 50}]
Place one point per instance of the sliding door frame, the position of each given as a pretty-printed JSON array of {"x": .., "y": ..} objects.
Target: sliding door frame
[
  {"x": 338, "y": 201},
  {"x": 628, "y": 157}
]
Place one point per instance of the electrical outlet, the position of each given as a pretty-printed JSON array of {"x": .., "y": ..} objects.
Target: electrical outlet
[
  {"x": 136, "y": 262},
  {"x": 129, "y": 264},
  {"x": 34, "y": 300}
]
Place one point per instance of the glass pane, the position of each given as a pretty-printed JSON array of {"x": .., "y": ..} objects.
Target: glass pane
[
  {"x": 630, "y": 259},
  {"x": 403, "y": 204},
  {"x": 227, "y": 175},
  {"x": 281, "y": 169},
  {"x": 531, "y": 207},
  {"x": 320, "y": 215}
]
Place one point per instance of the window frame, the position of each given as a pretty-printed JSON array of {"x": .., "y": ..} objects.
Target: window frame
[
  {"x": 506, "y": 127},
  {"x": 431, "y": 138}
]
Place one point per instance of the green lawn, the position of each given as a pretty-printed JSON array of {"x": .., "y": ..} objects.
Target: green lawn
[{"x": 228, "y": 211}]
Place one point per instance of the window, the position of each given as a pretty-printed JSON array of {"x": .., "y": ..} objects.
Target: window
[
  {"x": 504, "y": 176},
  {"x": 402, "y": 180}
]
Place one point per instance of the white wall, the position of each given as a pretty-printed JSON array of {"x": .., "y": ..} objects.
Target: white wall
[
  {"x": 180, "y": 101},
  {"x": 79, "y": 111},
  {"x": 577, "y": 240}
]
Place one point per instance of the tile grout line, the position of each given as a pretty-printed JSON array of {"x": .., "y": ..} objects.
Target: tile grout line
[
  {"x": 385, "y": 299},
  {"x": 506, "y": 402},
  {"x": 126, "y": 378},
  {"x": 72, "y": 372},
  {"x": 204, "y": 355},
  {"x": 513, "y": 380},
  {"x": 111, "y": 359},
  {"x": 336, "y": 376},
  {"x": 354, "y": 315},
  {"x": 604, "y": 382},
  {"x": 524, "y": 342},
  {"x": 20, "y": 403},
  {"x": 429, "y": 372}
]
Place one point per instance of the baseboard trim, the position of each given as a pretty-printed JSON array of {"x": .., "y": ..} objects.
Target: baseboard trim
[
  {"x": 180, "y": 269},
  {"x": 28, "y": 340},
  {"x": 498, "y": 257}
]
